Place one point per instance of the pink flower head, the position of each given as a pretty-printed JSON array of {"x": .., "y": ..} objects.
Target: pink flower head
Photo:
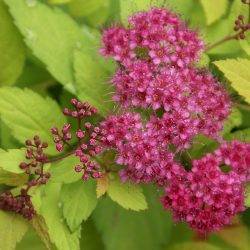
[
  {"x": 159, "y": 33},
  {"x": 206, "y": 198},
  {"x": 143, "y": 158}
]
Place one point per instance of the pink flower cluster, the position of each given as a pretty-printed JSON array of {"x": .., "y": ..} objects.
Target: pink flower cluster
[
  {"x": 145, "y": 160},
  {"x": 206, "y": 197},
  {"x": 156, "y": 55},
  {"x": 158, "y": 35},
  {"x": 193, "y": 100}
]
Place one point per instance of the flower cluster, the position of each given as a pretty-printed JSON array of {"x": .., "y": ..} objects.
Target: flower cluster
[
  {"x": 157, "y": 57},
  {"x": 87, "y": 135},
  {"x": 193, "y": 101},
  {"x": 209, "y": 196},
  {"x": 145, "y": 160},
  {"x": 36, "y": 157},
  {"x": 157, "y": 36}
]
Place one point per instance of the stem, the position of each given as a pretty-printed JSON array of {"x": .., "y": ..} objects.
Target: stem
[
  {"x": 223, "y": 40},
  {"x": 60, "y": 157}
]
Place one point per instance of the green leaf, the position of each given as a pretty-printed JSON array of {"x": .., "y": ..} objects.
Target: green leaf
[
  {"x": 204, "y": 61},
  {"x": 247, "y": 199},
  {"x": 123, "y": 230},
  {"x": 12, "y": 179},
  {"x": 180, "y": 8},
  {"x": 51, "y": 35},
  {"x": 31, "y": 240},
  {"x": 194, "y": 245},
  {"x": 127, "y": 195},
  {"x": 102, "y": 185},
  {"x": 11, "y": 48},
  {"x": 128, "y": 7},
  {"x": 58, "y": 230},
  {"x": 10, "y": 160},
  {"x": 92, "y": 73},
  {"x": 12, "y": 229},
  {"x": 58, "y": 1},
  {"x": 214, "y": 9},
  {"x": 78, "y": 201},
  {"x": 91, "y": 239},
  {"x": 242, "y": 135},
  {"x": 233, "y": 120},
  {"x": 26, "y": 113},
  {"x": 237, "y": 8},
  {"x": 38, "y": 223},
  {"x": 94, "y": 12},
  {"x": 63, "y": 171},
  {"x": 237, "y": 72},
  {"x": 245, "y": 43}
]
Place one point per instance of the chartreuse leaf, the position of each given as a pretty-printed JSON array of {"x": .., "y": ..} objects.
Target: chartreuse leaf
[
  {"x": 245, "y": 43},
  {"x": 247, "y": 199},
  {"x": 31, "y": 240},
  {"x": 128, "y": 7},
  {"x": 237, "y": 72},
  {"x": 91, "y": 239},
  {"x": 50, "y": 34},
  {"x": 94, "y": 12},
  {"x": 214, "y": 9},
  {"x": 63, "y": 171},
  {"x": 242, "y": 135},
  {"x": 233, "y": 120},
  {"x": 123, "y": 230},
  {"x": 26, "y": 113},
  {"x": 237, "y": 235},
  {"x": 12, "y": 179},
  {"x": 92, "y": 74},
  {"x": 85, "y": 8},
  {"x": 59, "y": 233},
  {"x": 223, "y": 28},
  {"x": 194, "y": 245},
  {"x": 12, "y": 229},
  {"x": 78, "y": 201},
  {"x": 10, "y": 160},
  {"x": 127, "y": 195},
  {"x": 58, "y": 1},
  {"x": 38, "y": 223},
  {"x": 11, "y": 48},
  {"x": 102, "y": 185}
]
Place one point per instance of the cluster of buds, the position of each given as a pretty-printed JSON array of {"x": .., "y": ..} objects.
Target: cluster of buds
[
  {"x": 61, "y": 138},
  {"x": 241, "y": 26},
  {"x": 36, "y": 158},
  {"x": 20, "y": 204},
  {"x": 87, "y": 135}
]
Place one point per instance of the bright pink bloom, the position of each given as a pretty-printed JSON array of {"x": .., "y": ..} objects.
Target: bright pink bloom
[
  {"x": 158, "y": 36},
  {"x": 206, "y": 198}
]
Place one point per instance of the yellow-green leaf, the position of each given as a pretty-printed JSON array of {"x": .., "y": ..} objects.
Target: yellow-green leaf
[
  {"x": 12, "y": 179},
  {"x": 78, "y": 202},
  {"x": 52, "y": 213},
  {"x": 10, "y": 160},
  {"x": 12, "y": 229},
  {"x": 102, "y": 185},
  {"x": 11, "y": 48},
  {"x": 27, "y": 114},
  {"x": 238, "y": 73},
  {"x": 214, "y": 9},
  {"x": 128, "y": 195},
  {"x": 58, "y": 1},
  {"x": 50, "y": 34}
]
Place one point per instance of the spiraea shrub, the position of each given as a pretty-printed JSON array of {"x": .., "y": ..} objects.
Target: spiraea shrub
[{"x": 124, "y": 124}]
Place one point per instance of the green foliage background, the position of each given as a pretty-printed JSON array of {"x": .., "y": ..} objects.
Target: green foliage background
[{"x": 49, "y": 53}]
